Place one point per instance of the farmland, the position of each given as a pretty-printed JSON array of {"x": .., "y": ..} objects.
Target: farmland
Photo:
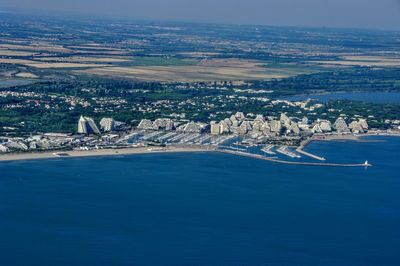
[{"x": 170, "y": 52}]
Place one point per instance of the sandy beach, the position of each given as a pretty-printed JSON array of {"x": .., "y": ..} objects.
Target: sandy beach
[
  {"x": 103, "y": 152},
  {"x": 174, "y": 149}
]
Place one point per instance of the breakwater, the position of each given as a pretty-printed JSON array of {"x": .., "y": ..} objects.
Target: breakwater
[{"x": 276, "y": 160}]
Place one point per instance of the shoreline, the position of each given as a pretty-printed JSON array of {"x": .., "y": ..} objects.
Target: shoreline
[
  {"x": 9, "y": 157},
  {"x": 102, "y": 152}
]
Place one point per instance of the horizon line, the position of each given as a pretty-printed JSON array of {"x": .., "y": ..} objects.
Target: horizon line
[{"x": 69, "y": 15}]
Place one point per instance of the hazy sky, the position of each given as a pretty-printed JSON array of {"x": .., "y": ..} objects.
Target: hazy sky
[{"x": 332, "y": 13}]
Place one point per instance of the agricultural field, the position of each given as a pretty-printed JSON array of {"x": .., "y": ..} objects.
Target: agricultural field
[
  {"x": 366, "y": 61},
  {"x": 97, "y": 60},
  {"x": 173, "y": 52},
  {"x": 206, "y": 70}
]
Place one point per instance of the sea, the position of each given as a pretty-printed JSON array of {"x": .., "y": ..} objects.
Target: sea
[{"x": 204, "y": 209}]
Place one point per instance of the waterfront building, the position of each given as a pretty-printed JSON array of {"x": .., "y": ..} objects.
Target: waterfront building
[
  {"x": 257, "y": 125},
  {"x": 215, "y": 128},
  {"x": 33, "y": 145},
  {"x": 245, "y": 127},
  {"x": 3, "y": 148},
  {"x": 259, "y": 118},
  {"x": 15, "y": 144},
  {"x": 322, "y": 126},
  {"x": 325, "y": 125},
  {"x": 359, "y": 126},
  {"x": 224, "y": 126},
  {"x": 303, "y": 124},
  {"x": 266, "y": 128},
  {"x": 304, "y": 121},
  {"x": 293, "y": 129},
  {"x": 285, "y": 120},
  {"x": 234, "y": 129},
  {"x": 363, "y": 123},
  {"x": 234, "y": 121},
  {"x": 341, "y": 125},
  {"x": 240, "y": 116},
  {"x": 145, "y": 124},
  {"x": 164, "y": 124},
  {"x": 317, "y": 129},
  {"x": 86, "y": 125},
  {"x": 193, "y": 127},
  {"x": 107, "y": 124},
  {"x": 276, "y": 126},
  {"x": 227, "y": 121}
]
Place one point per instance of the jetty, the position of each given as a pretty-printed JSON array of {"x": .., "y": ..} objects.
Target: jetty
[
  {"x": 276, "y": 160},
  {"x": 268, "y": 149},
  {"x": 299, "y": 150},
  {"x": 285, "y": 151}
]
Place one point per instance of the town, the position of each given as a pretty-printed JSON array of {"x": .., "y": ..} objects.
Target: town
[{"x": 255, "y": 133}]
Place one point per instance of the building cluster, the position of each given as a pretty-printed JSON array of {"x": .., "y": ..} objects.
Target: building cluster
[
  {"x": 253, "y": 126},
  {"x": 159, "y": 124},
  {"x": 239, "y": 124},
  {"x": 45, "y": 141},
  {"x": 87, "y": 126},
  {"x": 13, "y": 144},
  {"x": 236, "y": 124},
  {"x": 57, "y": 141},
  {"x": 167, "y": 124}
]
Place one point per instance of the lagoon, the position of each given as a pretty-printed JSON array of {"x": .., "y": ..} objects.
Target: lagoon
[{"x": 373, "y": 97}]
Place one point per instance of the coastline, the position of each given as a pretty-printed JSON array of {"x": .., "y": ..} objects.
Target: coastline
[
  {"x": 179, "y": 149},
  {"x": 102, "y": 152}
]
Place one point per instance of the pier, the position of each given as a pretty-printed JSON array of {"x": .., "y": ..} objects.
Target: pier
[
  {"x": 285, "y": 151},
  {"x": 268, "y": 149},
  {"x": 275, "y": 160},
  {"x": 299, "y": 150}
]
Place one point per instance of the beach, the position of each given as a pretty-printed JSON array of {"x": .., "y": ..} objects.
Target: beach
[
  {"x": 174, "y": 148},
  {"x": 103, "y": 152}
]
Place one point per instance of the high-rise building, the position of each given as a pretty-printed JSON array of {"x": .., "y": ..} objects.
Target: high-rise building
[
  {"x": 107, "y": 124},
  {"x": 145, "y": 124},
  {"x": 86, "y": 125},
  {"x": 341, "y": 126},
  {"x": 215, "y": 128},
  {"x": 359, "y": 126}
]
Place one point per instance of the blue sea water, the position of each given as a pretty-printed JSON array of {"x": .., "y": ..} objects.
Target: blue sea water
[
  {"x": 373, "y": 97},
  {"x": 203, "y": 209}
]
